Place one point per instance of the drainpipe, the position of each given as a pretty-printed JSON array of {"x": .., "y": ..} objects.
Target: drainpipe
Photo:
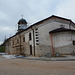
[
  {"x": 20, "y": 44},
  {"x": 33, "y": 41},
  {"x": 52, "y": 43}
]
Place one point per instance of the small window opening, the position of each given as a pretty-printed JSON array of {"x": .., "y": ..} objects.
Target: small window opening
[
  {"x": 73, "y": 42},
  {"x": 23, "y": 39},
  {"x": 37, "y": 37},
  {"x": 30, "y": 36},
  {"x": 37, "y": 40},
  {"x": 36, "y": 34},
  {"x": 36, "y": 29}
]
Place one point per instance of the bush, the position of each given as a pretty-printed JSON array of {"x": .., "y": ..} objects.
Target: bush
[{"x": 2, "y": 48}]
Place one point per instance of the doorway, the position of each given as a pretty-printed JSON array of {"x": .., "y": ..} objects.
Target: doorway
[{"x": 30, "y": 49}]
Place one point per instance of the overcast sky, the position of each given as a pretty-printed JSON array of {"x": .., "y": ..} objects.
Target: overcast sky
[{"x": 33, "y": 11}]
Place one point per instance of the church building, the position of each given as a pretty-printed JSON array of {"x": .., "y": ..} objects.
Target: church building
[{"x": 51, "y": 36}]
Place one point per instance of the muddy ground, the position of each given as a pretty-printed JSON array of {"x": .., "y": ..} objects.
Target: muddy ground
[{"x": 35, "y": 67}]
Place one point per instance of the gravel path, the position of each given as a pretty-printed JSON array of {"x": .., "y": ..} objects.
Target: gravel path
[{"x": 35, "y": 67}]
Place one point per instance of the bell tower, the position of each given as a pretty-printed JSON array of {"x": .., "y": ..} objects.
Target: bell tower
[{"x": 22, "y": 24}]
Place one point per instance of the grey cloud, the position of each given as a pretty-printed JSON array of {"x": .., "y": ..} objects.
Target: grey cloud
[{"x": 33, "y": 11}]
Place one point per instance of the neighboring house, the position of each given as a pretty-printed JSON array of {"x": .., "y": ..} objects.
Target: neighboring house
[{"x": 49, "y": 36}]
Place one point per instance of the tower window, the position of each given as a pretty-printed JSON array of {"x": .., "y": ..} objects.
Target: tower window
[{"x": 30, "y": 36}]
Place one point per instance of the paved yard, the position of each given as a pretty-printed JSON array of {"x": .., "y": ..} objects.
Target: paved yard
[{"x": 35, "y": 67}]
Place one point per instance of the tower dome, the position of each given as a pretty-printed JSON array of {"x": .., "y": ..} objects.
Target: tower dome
[
  {"x": 22, "y": 24},
  {"x": 22, "y": 21}
]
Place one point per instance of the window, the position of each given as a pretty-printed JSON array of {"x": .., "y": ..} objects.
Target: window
[
  {"x": 23, "y": 39},
  {"x": 36, "y": 29},
  {"x": 37, "y": 37},
  {"x": 62, "y": 26},
  {"x": 36, "y": 34},
  {"x": 13, "y": 42},
  {"x": 73, "y": 42},
  {"x": 17, "y": 41},
  {"x": 30, "y": 36},
  {"x": 37, "y": 43},
  {"x": 37, "y": 40}
]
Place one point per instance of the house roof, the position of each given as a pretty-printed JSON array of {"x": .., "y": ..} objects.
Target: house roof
[{"x": 60, "y": 30}]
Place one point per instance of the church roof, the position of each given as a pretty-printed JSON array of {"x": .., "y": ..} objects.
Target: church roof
[
  {"x": 51, "y": 17},
  {"x": 61, "y": 30}
]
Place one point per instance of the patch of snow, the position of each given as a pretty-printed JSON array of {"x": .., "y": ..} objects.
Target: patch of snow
[
  {"x": 9, "y": 56},
  {"x": 2, "y": 53}
]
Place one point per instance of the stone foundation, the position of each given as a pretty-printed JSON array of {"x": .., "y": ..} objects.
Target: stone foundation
[
  {"x": 43, "y": 50},
  {"x": 68, "y": 49}
]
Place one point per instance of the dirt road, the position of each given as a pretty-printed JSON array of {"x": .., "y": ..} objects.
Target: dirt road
[{"x": 35, "y": 67}]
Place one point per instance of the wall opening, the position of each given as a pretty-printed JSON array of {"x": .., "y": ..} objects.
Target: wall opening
[{"x": 30, "y": 49}]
